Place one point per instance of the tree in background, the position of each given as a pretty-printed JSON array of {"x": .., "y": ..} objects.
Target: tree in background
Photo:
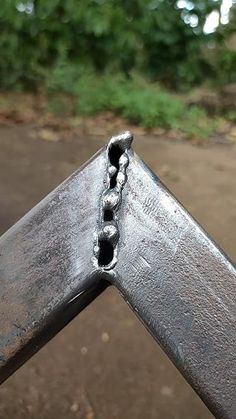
[{"x": 162, "y": 39}]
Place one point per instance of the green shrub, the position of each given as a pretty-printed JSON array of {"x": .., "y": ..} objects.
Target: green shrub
[
  {"x": 154, "y": 37},
  {"x": 134, "y": 99},
  {"x": 225, "y": 66},
  {"x": 231, "y": 116},
  {"x": 196, "y": 124}
]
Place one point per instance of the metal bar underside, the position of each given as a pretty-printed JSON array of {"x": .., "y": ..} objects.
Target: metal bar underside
[
  {"x": 46, "y": 272},
  {"x": 180, "y": 284}
]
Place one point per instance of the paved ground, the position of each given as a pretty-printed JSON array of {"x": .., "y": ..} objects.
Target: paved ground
[{"x": 104, "y": 365}]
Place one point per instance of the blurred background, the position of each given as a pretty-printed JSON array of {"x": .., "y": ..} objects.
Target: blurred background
[{"x": 72, "y": 73}]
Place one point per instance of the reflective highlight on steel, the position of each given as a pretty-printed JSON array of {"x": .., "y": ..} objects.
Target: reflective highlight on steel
[
  {"x": 107, "y": 237},
  {"x": 176, "y": 279}
]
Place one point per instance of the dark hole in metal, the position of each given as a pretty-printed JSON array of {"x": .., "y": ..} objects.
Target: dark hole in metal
[
  {"x": 114, "y": 155},
  {"x": 106, "y": 252},
  {"x": 108, "y": 215},
  {"x": 113, "y": 181}
]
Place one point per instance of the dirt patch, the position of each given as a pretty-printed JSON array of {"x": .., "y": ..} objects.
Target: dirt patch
[{"x": 105, "y": 365}]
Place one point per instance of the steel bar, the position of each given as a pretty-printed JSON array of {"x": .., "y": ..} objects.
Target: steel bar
[
  {"x": 46, "y": 271},
  {"x": 181, "y": 285},
  {"x": 175, "y": 278}
]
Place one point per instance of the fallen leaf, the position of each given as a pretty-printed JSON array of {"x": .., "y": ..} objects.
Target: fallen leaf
[{"x": 48, "y": 135}]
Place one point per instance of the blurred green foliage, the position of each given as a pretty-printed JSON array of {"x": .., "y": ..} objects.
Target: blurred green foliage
[
  {"x": 117, "y": 55},
  {"x": 225, "y": 66},
  {"x": 153, "y": 37},
  {"x": 134, "y": 99}
]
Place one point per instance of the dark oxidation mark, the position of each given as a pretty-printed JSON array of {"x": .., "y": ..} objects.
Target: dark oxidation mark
[{"x": 107, "y": 237}]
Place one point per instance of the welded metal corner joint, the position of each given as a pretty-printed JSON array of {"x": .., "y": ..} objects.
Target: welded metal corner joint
[{"x": 106, "y": 238}]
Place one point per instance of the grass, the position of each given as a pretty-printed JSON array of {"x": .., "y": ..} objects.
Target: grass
[
  {"x": 134, "y": 99},
  {"x": 74, "y": 91}
]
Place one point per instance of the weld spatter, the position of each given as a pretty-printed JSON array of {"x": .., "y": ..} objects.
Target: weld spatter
[
  {"x": 107, "y": 236},
  {"x": 123, "y": 140},
  {"x": 110, "y": 199}
]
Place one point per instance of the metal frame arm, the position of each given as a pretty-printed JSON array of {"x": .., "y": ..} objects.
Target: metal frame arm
[
  {"x": 46, "y": 272},
  {"x": 181, "y": 285}
]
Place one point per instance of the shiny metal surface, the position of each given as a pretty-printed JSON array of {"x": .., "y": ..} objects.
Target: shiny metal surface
[
  {"x": 107, "y": 237},
  {"x": 182, "y": 287},
  {"x": 46, "y": 270}
]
